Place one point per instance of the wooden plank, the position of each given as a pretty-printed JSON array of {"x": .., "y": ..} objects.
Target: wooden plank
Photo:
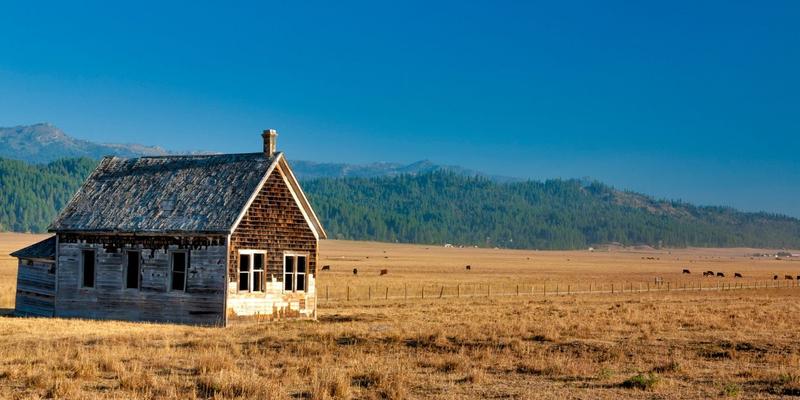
[{"x": 201, "y": 303}]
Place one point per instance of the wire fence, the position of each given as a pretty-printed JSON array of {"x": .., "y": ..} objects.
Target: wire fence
[{"x": 330, "y": 294}]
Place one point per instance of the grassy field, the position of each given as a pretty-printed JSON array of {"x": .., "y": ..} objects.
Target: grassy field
[{"x": 740, "y": 343}]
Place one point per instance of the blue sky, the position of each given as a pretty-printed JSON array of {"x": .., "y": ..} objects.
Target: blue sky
[{"x": 697, "y": 101}]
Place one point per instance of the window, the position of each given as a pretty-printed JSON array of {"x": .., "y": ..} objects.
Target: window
[
  {"x": 294, "y": 272},
  {"x": 288, "y": 273},
  {"x": 180, "y": 262},
  {"x": 132, "y": 268},
  {"x": 244, "y": 272},
  {"x": 300, "y": 278},
  {"x": 251, "y": 270},
  {"x": 258, "y": 272},
  {"x": 87, "y": 268}
]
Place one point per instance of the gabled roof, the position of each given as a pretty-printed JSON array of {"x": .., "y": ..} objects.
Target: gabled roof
[
  {"x": 46, "y": 249},
  {"x": 172, "y": 194}
]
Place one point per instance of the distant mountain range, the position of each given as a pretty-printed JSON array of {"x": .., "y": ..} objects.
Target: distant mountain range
[
  {"x": 420, "y": 202},
  {"x": 44, "y": 143}
]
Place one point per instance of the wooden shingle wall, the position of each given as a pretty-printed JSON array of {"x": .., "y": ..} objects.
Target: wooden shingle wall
[
  {"x": 273, "y": 223},
  {"x": 202, "y": 302}
]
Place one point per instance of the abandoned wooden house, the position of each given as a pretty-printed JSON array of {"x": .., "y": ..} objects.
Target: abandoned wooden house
[{"x": 200, "y": 239}]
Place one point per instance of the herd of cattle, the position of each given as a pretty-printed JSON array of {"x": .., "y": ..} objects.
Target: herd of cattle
[
  {"x": 738, "y": 275},
  {"x": 685, "y": 271},
  {"x": 383, "y": 271},
  {"x": 355, "y": 270}
]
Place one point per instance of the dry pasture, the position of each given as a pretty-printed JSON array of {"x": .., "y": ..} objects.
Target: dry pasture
[{"x": 740, "y": 343}]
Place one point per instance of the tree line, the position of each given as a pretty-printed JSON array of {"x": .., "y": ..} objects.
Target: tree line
[
  {"x": 446, "y": 207},
  {"x": 443, "y": 207}
]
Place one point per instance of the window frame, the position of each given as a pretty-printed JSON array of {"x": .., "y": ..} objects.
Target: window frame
[
  {"x": 250, "y": 272},
  {"x": 294, "y": 273},
  {"x": 139, "y": 275},
  {"x": 186, "y": 261},
  {"x": 82, "y": 269}
]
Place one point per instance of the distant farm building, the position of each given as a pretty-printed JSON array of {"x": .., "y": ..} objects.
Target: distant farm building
[{"x": 199, "y": 239}]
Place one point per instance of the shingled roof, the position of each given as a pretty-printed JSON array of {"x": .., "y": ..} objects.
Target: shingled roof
[
  {"x": 46, "y": 249},
  {"x": 172, "y": 194}
]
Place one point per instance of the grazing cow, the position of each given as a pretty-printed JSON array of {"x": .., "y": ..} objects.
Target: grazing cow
[
  {"x": 326, "y": 267},
  {"x": 775, "y": 278},
  {"x": 708, "y": 273},
  {"x": 798, "y": 277},
  {"x": 720, "y": 274},
  {"x": 788, "y": 277},
  {"x": 384, "y": 272},
  {"x": 355, "y": 271},
  {"x": 686, "y": 271},
  {"x": 737, "y": 275},
  {"x": 469, "y": 267}
]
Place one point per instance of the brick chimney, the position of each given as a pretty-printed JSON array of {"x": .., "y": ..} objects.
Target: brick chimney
[{"x": 270, "y": 138}]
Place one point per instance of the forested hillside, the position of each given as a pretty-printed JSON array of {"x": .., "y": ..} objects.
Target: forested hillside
[
  {"x": 31, "y": 194},
  {"x": 443, "y": 207},
  {"x": 447, "y": 207}
]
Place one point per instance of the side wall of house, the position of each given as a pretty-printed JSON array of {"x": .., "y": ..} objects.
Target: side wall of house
[
  {"x": 201, "y": 303},
  {"x": 273, "y": 223},
  {"x": 36, "y": 281}
]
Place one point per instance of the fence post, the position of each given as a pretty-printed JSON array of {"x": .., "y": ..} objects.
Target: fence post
[
  {"x": 348, "y": 292},
  {"x": 423, "y": 291},
  {"x": 441, "y": 293},
  {"x": 518, "y": 289},
  {"x": 648, "y": 286},
  {"x": 327, "y": 297},
  {"x": 405, "y": 291},
  {"x": 612, "y": 288},
  {"x": 668, "y": 286},
  {"x": 458, "y": 290},
  {"x": 568, "y": 289},
  {"x": 369, "y": 296},
  {"x": 488, "y": 290},
  {"x": 556, "y": 289},
  {"x": 387, "y": 293}
]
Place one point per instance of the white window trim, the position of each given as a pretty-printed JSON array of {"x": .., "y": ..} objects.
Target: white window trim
[
  {"x": 294, "y": 272},
  {"x": 185, "y": 270},
  {"x": 81, "y": 269},
  {"x": 250, "y": 271},
  {"x": 139, "y": 277}
]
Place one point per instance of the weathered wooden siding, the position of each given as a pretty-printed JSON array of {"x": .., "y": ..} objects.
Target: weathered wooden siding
[
  {"x": 36, "y": 280},
  {"x": 201, "y": 303},
  {"x": 274, "y": 223}
]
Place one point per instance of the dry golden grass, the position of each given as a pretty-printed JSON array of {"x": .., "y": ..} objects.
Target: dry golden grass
[
  {"x": 411, "y": 267},
  {"x": 635, "y": 345}
]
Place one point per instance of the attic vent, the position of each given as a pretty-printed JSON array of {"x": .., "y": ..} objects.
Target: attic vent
[{"x": 167, "y": 205}]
